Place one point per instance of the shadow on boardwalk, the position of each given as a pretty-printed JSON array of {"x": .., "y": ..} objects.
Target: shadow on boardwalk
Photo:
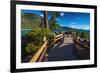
[{"x": 62, "y": 51}]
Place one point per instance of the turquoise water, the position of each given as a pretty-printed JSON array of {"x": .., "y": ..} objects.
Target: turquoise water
[{"x": 25, "y": 31}]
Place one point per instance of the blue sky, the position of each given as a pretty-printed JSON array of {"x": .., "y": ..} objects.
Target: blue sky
[{"x": 69, "y": 19}]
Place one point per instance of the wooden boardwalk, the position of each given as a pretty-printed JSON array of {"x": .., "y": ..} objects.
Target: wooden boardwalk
[{"x": 63, "y": 50}]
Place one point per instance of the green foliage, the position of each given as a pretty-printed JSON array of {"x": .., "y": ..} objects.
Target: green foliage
[
  {"x": 84, "y": 35},
  {"x": 30, "y": 21},
  {"x": 36, "y": 35},
  {"x": 49, "y": 36},
  {"x": 31, "y": 48},
  {"x": 54, "y": 26},
  {"x": 78, "y": 33},
  {"x": 54, "y": 16},
  {"x": 36, "y": 39},
  {"x": 53, "y": 20}
]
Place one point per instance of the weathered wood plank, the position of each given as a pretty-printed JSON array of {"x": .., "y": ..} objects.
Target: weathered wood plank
[
  {"x": 38, "y": 53},
  {"x": 85, "y": 46},
  {"x": 42, "y": 55},
  {"x": 58, "y": 39},
  {"x": 58, "y": 35}
]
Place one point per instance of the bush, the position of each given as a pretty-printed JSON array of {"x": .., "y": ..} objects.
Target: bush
[
  {"x": 35, "y": 39},
  {"x": 31, "y": 48},
  {"x": 36, "y": 36},
  {"x": 85, "y": 35},
  {"x": 49, "y": 36}
]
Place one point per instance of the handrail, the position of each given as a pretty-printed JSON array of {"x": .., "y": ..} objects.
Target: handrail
[
  {"x": 85, "y": 46},
  {"x": 39, "y": 53},
  {"x": 58, "y": 37}
]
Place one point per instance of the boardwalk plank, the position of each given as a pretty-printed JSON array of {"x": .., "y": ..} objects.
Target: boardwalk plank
[{"x": 62, "y": 51}]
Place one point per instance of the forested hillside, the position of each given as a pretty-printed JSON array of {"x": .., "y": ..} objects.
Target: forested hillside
[{"x": 30, "y": 20}]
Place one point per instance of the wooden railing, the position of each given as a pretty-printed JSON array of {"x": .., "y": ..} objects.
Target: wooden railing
[
  {"x": 82, "y": 45},
  {"x": 77, "y": 42},
  {"x": 40, "y": 53},
  {"x": 82, "y": 50},
  {"x": 58, "y": 37}
]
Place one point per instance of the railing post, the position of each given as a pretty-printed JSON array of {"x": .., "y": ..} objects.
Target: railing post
[
  {"x": 38, "y": 56},
  {"x": 44, "y": 38},
  {"x": 46, "y": 57}
]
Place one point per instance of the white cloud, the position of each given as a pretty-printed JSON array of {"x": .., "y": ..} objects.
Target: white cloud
[
  {"x": 86, "y": 27},
  {"x": 41, "y": 15},
  {"x": 62, "y": 13},
  {"x": 73, "y": 23},
  {"x": 72, "y": 26}
]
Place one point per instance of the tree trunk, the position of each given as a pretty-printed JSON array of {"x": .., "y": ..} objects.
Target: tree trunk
[{"x": 46, "y": 25}]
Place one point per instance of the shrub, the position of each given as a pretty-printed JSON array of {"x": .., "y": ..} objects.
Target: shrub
[
  {"x": 49, "y": 36},
  {"x": 36, "y": 39},
  {"x": 85, "y": 35},
  {"x": 31, "y": 48}
]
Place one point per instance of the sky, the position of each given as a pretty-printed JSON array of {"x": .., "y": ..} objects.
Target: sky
[{"x": 69, "y": 19}]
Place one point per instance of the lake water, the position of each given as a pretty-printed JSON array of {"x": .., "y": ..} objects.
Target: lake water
[{"x": 25, "y": 31}]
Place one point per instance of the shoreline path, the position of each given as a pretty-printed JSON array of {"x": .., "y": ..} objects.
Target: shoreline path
[{"x": 63, "y": 50}]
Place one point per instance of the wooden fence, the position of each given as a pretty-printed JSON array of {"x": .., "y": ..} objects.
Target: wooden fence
[
  {"x": 39, "y": 55},
  {"x": 82, "y": 50},
  {"x": 77, "y": 42},
  {"x": 58, "y": 37}
]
